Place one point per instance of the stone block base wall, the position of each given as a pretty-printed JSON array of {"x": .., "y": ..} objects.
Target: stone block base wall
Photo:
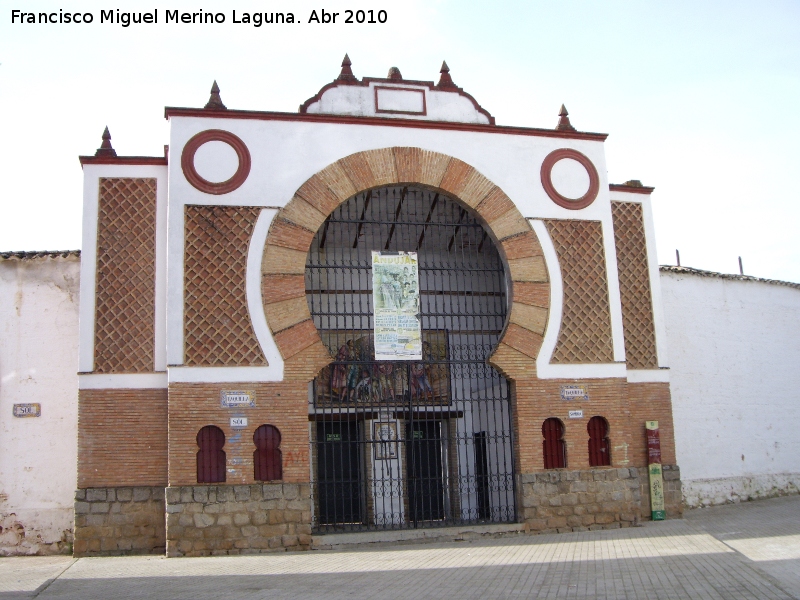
[
  {"x": 215, "y": 520},
  {"x": 604, "y": 498},
  {"x": 122, "y": 520}
]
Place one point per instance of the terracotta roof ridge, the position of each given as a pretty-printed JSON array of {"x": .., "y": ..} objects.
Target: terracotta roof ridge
[
  {"x": 703, "y": 273},
  {"x": 29, "y": 254}
]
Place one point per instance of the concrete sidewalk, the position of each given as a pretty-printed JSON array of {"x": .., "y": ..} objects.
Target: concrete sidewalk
[{"x": 750, "y": 550}]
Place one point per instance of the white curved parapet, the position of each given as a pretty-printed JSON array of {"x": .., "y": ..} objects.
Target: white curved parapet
[{"x": 397, "y": 99}]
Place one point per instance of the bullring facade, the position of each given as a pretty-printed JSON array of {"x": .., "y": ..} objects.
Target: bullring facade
[{"x": 230, "y": 397}]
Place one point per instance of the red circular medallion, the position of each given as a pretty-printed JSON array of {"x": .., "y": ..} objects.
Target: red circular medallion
[
  {"x": 547, "y": 182},
  {"x": 202, "y": 184}
]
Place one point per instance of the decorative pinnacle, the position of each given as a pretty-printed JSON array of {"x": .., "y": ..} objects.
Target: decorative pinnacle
[
  {"x": 215, "y": 102},
  {"x": 346, "y": 76},
  {"x": 563, "y": 120},
  {"x": 394, "y": 74},
  {"x": 445, "y": 81},
  {"x": 105, "y": 148}
]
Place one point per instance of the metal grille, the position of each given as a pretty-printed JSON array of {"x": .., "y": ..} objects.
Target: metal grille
[{"x": 409, "y": 443}]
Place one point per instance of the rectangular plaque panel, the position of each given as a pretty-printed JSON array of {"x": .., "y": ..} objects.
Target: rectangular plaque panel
[
  {"x": 23, "y": 411},
  {"x": 575, "y": 392},
  {"x": 237, "y": 398},
  {"x": 408, "y": 101}
]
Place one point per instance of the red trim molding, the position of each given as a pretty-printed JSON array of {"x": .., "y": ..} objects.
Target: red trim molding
[
  {"x": 631, "y": 189},
  {"x": 546, "y": 172},
  {"x": 123, "y": 160},
  {"x": 209, "y": 187},
  {"x": 423, "y": 112},
  {"x": 380, "y": 122}
]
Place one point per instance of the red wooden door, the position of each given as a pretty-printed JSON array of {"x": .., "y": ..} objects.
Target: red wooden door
[
  {"x": 555, "y": 455},
  {"x": 267, "y": 455},
  {"x": 211, "y": 456},
  {"x": 599, "y": 444}
]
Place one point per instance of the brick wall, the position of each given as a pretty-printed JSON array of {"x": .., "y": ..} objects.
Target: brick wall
[
  {"x": 122, "y": 438},
  {"x": 193, "y": 406},
  {"x": 124, "y": 520},
  {"x": 238, "y": 519},
  {"x": 626, "y": 407},
  {"x": 652, "y": 402},
  {"x": 538, "y": 399}
]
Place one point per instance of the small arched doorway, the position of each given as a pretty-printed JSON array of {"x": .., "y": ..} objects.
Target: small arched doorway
[
  {"x": 599, "y": 444},
  {"x": 554, "y": 448},
  {"x": 211, "y": 458},
  {"x": 420, "y": 442}
]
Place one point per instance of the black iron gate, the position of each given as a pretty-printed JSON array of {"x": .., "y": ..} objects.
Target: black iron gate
[{"x": 409, "y": 443}]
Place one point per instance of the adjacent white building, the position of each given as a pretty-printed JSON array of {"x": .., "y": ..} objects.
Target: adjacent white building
[
  {"x": 734, "y": 354},
  {"x": 38, "y": 366}
]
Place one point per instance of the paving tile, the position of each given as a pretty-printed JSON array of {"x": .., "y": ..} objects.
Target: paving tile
[{"x": 751, "y": 550}]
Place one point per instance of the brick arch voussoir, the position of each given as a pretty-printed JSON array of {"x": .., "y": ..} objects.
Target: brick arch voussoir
[{"x": 294, "y": 227}]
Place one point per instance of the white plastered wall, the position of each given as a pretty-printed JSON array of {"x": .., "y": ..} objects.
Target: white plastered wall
[
  {"x": 285, "y": 154},
  {"x": 91, "y": 188},
  {"x": 734, "y": 352},
  {"x": 38, "y": 364}
]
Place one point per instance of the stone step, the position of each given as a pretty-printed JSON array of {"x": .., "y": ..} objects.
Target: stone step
[{"x": 342, "y": 541}]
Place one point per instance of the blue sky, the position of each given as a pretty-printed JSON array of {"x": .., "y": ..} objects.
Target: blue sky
[{"x": 700, "y": 99}]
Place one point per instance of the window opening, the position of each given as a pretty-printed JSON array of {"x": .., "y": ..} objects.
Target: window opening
[
  {"x": 554, "y": 447},
  {"x": 211, "y": 456},
  {"x": 267, "y": 457},
  {"x": 599, "y": 443}
]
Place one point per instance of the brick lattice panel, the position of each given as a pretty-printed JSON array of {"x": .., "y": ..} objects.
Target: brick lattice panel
[
  {"x": 218, "y": 330},
  {"x": 126, "y": 269},
  {"x": 585, "y": 335},
  {"x": 634, "y": 285}
]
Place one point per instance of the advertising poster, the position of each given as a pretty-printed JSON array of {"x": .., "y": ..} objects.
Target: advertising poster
[{"x": 395, "y": 297}]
